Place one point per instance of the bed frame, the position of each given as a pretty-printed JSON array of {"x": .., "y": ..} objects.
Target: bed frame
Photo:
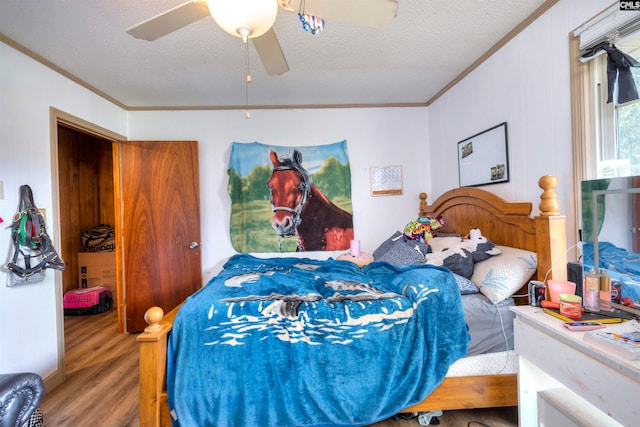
[{"x": 505, "y": 223}]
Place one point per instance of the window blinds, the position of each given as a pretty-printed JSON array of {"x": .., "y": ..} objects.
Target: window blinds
[{"x": 610, "y": 25}]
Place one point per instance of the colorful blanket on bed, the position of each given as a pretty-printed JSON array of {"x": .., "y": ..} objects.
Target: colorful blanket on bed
[{"x": 301, "y": 342}]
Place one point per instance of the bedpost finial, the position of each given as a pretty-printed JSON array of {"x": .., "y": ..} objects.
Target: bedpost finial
[
  {"x": 423, "y": 204},
  {"x": 153, "y": 317},
  {"x": 549, "y": 205}
]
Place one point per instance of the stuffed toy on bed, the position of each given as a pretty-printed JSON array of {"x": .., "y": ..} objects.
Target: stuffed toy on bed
[
  {"x": 423, "y": 229},
  {"x": 461, "y": 257}
]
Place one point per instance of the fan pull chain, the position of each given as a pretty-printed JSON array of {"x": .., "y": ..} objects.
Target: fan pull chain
[{"x": 245, "y": 39}]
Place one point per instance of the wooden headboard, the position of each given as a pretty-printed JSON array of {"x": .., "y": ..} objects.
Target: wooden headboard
[{"x": 508, "y": 223}]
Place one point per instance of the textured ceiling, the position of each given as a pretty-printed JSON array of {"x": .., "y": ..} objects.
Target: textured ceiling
[{"x": 200, "y": 66}]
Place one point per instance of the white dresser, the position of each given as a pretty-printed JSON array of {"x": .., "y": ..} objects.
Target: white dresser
[{"x": 563, "y": 382}]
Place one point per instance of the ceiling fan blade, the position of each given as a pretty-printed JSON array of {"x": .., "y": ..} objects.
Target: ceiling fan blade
[
  {"x": 270, "y": 53},
  {"x": 370, "y": 13},
  {"x": 170, "y": 21}
]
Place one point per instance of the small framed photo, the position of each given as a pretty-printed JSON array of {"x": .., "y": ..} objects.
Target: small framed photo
[
  {"x": 386, "y": 180},
  {"x": 483, "y": 158}
]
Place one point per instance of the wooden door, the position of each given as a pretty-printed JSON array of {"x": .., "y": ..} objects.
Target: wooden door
[{"x": 157, "y": 226}]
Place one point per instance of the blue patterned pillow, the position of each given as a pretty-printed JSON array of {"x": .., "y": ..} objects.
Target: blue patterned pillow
[
  {"x": 501, "y": 276},
  {"x": 467, "y": 287},
  {"x": 397, "y": 250}
]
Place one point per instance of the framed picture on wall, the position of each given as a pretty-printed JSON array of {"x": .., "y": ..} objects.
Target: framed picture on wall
[{"x": 483, "y": 158}]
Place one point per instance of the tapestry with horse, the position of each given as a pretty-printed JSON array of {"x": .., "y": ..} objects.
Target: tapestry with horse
[{"x": 290, "y": 199}]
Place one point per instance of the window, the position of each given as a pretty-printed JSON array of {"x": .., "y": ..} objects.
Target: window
[
  {"x": 606, "y": 134},
  {"x": 606, "y": 137},
  {"x": 615, "y": 141}
]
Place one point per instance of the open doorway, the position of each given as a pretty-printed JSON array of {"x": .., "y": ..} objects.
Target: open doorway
[
  {"x": 82, "y": 169},
  {"x": 85, "y": 178}
]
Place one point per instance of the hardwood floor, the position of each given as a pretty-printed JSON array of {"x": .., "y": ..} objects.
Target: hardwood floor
[{"x": 101, "y": 387}]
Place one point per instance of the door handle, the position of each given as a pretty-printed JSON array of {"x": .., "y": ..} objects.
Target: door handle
[{"x": 193, "y": 245}]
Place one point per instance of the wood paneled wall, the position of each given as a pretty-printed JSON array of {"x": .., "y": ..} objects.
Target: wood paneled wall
[{"x": 85, "y": 171}]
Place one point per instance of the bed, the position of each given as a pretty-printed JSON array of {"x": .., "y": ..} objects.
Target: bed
[{"x": 505, "y": 223}]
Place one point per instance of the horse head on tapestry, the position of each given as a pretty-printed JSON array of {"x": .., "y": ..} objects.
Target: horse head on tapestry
[{"x": 302, "y": 211}]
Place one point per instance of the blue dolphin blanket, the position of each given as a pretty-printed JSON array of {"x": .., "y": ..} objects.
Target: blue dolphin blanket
[{"x": 300, "y": 342}]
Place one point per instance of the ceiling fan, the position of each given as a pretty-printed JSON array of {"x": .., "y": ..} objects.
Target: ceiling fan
[{"x": 254, "y": 19}]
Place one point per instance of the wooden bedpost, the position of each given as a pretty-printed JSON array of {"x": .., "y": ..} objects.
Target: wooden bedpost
[
  {"x": 423, "y": 204},
  {"x": 551, "y": 233},
  {"x": 153, "y": 363}
]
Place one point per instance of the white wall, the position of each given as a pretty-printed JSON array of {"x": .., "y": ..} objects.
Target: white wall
[
  {"x": 375, "y": 137},
  {"x": 526, "y": 84},
  {"x": 28, "y": 341}
]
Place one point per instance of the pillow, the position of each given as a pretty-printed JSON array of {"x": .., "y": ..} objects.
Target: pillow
[
  {"x": 397, "y": 250},
  {"x": 467, "y": 287},
  {"x": 500, "y": 276}
]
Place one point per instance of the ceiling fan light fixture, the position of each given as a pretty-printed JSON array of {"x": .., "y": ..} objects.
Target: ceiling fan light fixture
[{"x": 235, "y": 15}]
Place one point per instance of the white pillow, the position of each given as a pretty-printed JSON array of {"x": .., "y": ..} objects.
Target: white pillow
[{"x": 500, "y": 276}]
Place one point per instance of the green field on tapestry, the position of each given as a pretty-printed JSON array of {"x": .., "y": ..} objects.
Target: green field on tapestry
[{"x": 251, "y": 229}]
